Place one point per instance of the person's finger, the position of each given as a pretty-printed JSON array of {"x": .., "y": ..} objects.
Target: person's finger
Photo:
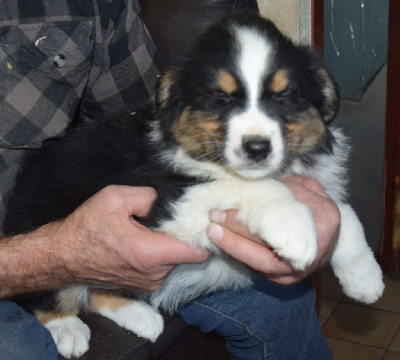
[
  {"x": 169, "y": 251},
  {"x": 138, "y": 200},
  {"x": 256, "y": 255},
  {"x": 228, "y": 219}
]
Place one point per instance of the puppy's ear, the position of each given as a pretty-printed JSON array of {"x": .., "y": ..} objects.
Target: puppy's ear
[
  {"x": 168, "y": 103},
  {"x": 164, "y": 91},
  {"x": 330, "y": 93}
]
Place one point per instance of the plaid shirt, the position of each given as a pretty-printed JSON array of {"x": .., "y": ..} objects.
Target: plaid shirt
[{"x": 60, "y": 58}]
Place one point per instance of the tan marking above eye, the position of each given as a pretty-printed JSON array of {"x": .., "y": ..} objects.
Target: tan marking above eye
[
  {"x": 226, "y": 82},
  {"x": 280, "y": 81}
]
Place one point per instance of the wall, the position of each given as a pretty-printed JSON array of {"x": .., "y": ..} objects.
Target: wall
[
  {"x": 355, "y": 49},
  {"x": 355, "y": 42},
  {"x": 364, "y": 122},
  {"x": 285, "y": 15},
  {"x": 355, "y": 34}
]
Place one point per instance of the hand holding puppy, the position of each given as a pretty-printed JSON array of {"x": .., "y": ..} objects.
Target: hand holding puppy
[
  {"x": 232, "y": 237},
  {"x": 99, "y": 243}
]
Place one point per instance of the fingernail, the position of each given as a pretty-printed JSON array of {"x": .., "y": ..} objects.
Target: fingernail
[
  {"x": 215, "y": 232},
  {"x": 218, "y": 216}
]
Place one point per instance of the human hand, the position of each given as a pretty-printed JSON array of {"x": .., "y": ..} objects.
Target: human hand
[
  {"x": 234, "y": 238},
  {"x": 103, "y": 244}
]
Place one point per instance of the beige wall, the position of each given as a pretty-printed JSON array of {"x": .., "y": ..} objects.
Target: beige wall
[
  {"x": 292, "y": 17},
  {"x": 284, "y": 13}
]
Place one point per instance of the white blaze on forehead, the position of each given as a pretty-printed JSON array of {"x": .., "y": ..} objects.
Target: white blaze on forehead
[
  {"x": 254, "y": 54},
  {"x": 254, "y": 62}
]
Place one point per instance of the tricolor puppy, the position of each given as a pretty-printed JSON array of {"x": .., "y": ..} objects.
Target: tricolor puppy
[{"x": 240, "y": 108}]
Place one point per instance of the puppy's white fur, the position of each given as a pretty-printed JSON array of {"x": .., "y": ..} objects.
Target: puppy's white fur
[
  {"x": 268, "y": 209},
  {"x": 71, "y": 336},
  {"x": 139, "y": 317}
]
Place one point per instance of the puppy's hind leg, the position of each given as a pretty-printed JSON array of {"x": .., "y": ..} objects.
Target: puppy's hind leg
[{"x": 131, "y": 314}]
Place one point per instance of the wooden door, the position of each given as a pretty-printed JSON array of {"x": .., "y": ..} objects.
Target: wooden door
[{"x": 390, "y": 247}]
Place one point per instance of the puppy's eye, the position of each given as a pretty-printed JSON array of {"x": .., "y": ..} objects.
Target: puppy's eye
[
  {"x": 213, "y": 99},
  {"x": 285, "y": 93},
  {"x": 222, "y": 97},
  {"x": 285, "y": 96}
]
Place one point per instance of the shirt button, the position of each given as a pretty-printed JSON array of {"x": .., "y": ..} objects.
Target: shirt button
[{"x": 59, "y": 60}]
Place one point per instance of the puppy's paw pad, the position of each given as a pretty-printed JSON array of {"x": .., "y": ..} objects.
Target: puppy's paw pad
[
  {"x": 71, "y": 336},
  {"x": 139, "y": 317}
]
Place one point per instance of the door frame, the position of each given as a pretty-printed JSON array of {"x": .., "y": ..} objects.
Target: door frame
[{"x": 390, "y": 245}]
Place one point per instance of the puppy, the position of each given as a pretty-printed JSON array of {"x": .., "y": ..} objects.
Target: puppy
[{"x": 240, "y": 108}]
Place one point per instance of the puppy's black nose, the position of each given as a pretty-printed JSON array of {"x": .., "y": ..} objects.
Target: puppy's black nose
[{"x": 257, "y": 148}]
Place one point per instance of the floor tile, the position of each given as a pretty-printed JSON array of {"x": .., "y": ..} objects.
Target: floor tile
[
  {"x": 330, "y": 287},
  {"x": 395, "y": 344},
  {"x": 390, "y": 299},
  {"x": 327, "y": 307},
  {"x": 392, "y": 355},
  {"x": 344, "y": 350},
  {"x": 362, "y": 325},
  {"x": 391, "y": 296}
]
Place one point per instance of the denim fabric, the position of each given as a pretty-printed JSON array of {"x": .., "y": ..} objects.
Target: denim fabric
[
  {"x": 267, "y": 321},
  {"x": 22, "y": 337}
]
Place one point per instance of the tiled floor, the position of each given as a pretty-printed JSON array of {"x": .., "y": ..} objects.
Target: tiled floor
[{"x": 358, "y": 332}]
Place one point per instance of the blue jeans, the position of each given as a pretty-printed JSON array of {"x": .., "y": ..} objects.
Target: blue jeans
[
  {"x": 267, "y": 321},
  {"x": 22, "y": 336}
]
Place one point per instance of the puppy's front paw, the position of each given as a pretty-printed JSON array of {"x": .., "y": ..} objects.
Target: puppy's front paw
[
  {"x": 289, "y": 228},
  {"x": 71, "y": 336},
  {"x": 139, "y": 317},
  {"x": 298, "y": 230}
]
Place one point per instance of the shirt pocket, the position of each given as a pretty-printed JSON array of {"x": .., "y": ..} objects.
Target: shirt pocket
[{"x": 44, "y": 68}]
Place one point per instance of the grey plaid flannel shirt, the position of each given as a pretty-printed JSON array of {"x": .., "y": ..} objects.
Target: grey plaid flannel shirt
[{"x": 64, "y": 57}]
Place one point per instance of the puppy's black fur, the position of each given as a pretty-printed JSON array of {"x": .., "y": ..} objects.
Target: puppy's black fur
[{"x": 67, "y": 170}]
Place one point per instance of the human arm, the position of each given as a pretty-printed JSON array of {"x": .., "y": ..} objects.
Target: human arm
[
  {"x": 99, "y": 243},
  {"x": 232, "y": 237}
]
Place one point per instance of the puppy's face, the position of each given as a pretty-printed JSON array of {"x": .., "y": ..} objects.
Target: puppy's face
[{"x": 245, "y": 100}]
